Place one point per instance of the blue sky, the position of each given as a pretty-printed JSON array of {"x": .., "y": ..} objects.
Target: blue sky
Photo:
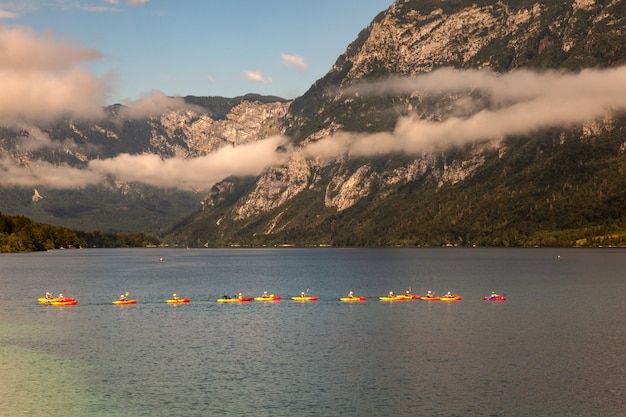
[{"x": 200, "y": 47}]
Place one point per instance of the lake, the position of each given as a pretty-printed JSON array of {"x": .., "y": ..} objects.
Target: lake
[{"x": 555, "y": 347}]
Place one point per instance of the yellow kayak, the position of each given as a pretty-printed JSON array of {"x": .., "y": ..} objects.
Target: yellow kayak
[
  {"x": 178, "y": 301},
  {"x": 51, "y": 300},
  {"x": 65, "y": 302},
  {"x": 352, "y": 299},
  {"x": 268, "y": 298},
  {"x": 305, "y": 298},
  {"x": 393, "y": 298},
  {"x": 453, "y": 298},
  {"x": 234, "y": 300}
]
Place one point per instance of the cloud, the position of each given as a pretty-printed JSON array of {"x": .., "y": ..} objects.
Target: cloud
[
  {"x": 150, "y": 169},
  {"x": 256, "y": 76},
  {"x": 42, "y": 78},
  {"x": 518, "y": 103},
  {"x": 4, "y": 14},
  {"x": 521, "y": 102},
  {"x": 154, "y": 103},
  {"x": 294, "y": 60},
  {"x": 137, "y": 2}
]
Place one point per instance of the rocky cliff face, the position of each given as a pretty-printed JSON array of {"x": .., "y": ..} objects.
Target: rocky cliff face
[
  {"x": 440, "y": 193},
  {"x": 187, "y": 132},
  {"x": 412, "y": 38}
]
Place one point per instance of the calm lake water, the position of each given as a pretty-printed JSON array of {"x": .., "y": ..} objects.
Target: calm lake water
[{"x": 556, "y": 347}]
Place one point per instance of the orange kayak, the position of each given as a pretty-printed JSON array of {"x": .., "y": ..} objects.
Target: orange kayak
[
  {"x": 122, "y": 302},
  {"x": 453, "y": 298}
]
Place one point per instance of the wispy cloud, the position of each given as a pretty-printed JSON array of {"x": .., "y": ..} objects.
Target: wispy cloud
[
  {"x": 257, "y": 76},
  {"x": 202, "y": 172},
  {"x": 5, "y": 14},
  {"x": 294, "y": 60},
  {"x": 521, "y": 102},
  {"x": 137, "y": 2}
]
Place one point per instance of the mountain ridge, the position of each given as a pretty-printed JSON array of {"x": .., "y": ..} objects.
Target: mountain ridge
[{"x": 352, "y": 171}]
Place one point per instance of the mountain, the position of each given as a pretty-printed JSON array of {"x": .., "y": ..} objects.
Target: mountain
[
  {"x": 443, "y": 123},
  {"x": 167, "y": 128},
  {"x": 555, "y": 185}
]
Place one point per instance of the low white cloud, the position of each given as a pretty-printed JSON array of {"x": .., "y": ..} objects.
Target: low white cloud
[
  {"x": 294, "y": 60},
  {"x": 137, "y": 2},
  {"x": 257, "y": 76},
  {"x": 150, "y": 169},
  {"x": 521, "y": 102}
]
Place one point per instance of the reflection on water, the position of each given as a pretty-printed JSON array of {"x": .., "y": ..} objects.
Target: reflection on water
[{"x": 555, "y": 348}]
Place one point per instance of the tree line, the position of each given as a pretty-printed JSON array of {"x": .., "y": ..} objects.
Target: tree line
[{"x": 21, "y": 234}]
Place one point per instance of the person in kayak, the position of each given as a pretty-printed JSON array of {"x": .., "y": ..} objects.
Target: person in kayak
[
  {"x": 302, "y": 294},
  {"x": 390, "y": 294},
  {"x": 61, "y": 297},
  {"x": 430, "y": 294},
  {"x": 350, "y": 294},
  {"x": 494, "y": 294},
  {"x": 265, "y": 295},
  {"x": 122, "y": 297},
  {"x": 174, "y": 297},
  {"x": 240, "y": 296},
  {"x": 448, "y": 294},
  {"x": 48, "y": 295}
]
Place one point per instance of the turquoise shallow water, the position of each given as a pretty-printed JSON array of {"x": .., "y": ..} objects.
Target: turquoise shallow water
[{"x": 554, "y": 348}]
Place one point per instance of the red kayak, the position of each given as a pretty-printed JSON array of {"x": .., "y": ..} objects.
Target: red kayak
[{"x": 494, "y": 298}]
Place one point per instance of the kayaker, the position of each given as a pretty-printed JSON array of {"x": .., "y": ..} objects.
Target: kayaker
[
  {"x": 61, "y": 297},
  {"x": 302, "y": 294},
  {"x": 265, "y": 294},
  {"x": 430, "y": 294},
  {"x": 448, "y": 294},
  {"x": 390, "y": 294},
  {"x": 48, "y": 295},
  {"x": 122, "y": 297},
  {"x": 407, "y": 293},
  {"x": 494, "y": 295},
  {"x": 240, "y": 296},
  {"x": 174, "y": 297},
  {"x": 350, "y": 295}
]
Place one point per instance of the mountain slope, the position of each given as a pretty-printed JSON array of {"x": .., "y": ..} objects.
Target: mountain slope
[{"x": 558, "y": 184}]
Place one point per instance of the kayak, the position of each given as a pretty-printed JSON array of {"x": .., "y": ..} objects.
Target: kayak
[
  {"x": 427, "y": 298},
  {"x": 393, "y": 298},
  {"x": 352, "y": 299},
  {"x": 49, "y": 300},
  {"x": 179, "y": 301},
  {"x": 409, "y": 297},
  {"x": 234, "y": 300},
  {"x": 496, "y": 298},
  {"x": 305, "y": 298},
  {"x": 453, "y": 298},
  {"x": 268, "y": 298},
  {"x": 120, "y": 302},
  {"x": 66, "y": 302}
]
